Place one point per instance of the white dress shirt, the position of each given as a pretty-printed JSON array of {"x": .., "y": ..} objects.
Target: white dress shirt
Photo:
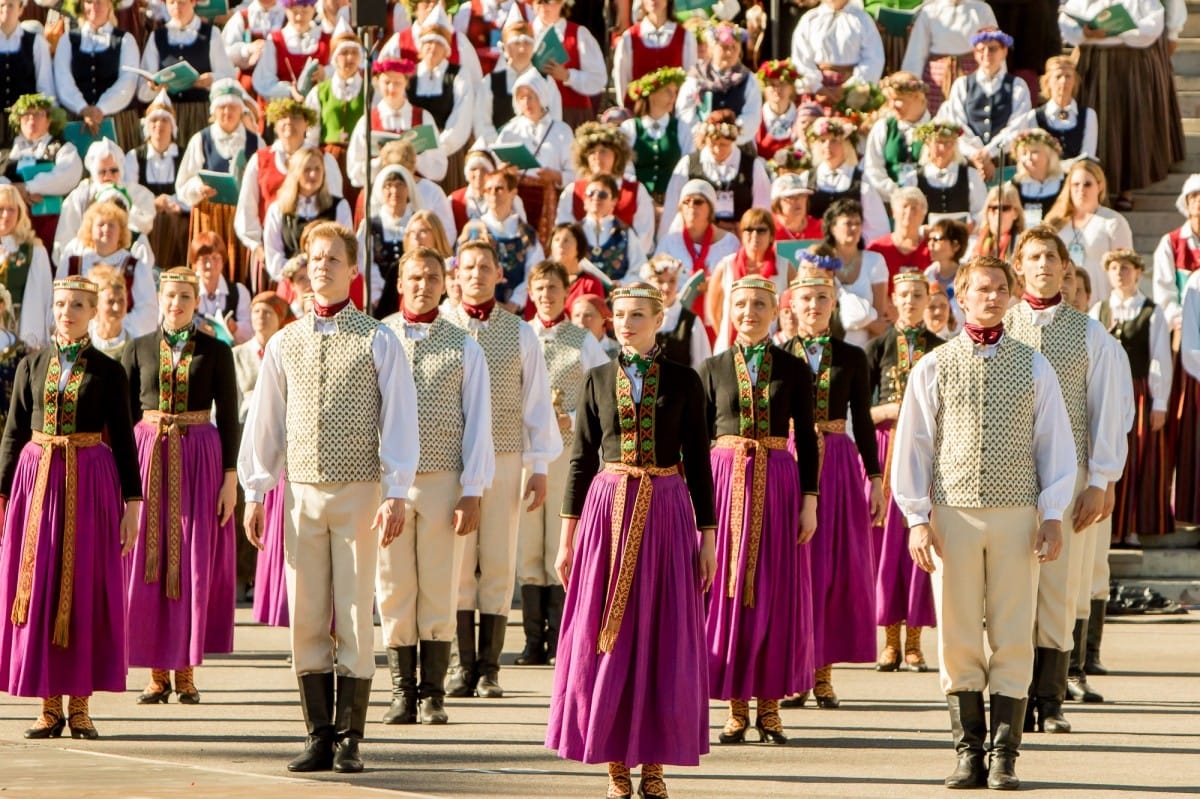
[
  {"x": 701, "y": 350},
  {"x": 1126, "y": 310},
  {"x": 856, "y": 301},
  {"x": 846, "y": 38},
  {"x": 548, "y": 139},
  {"x": 213, "y": 305},
  {"x": 654, "y": 39},
  {"x": 874, "y": 161},
  {"x": 118, "y": 96},
  {"x": 955, "y": 110},
  {"x": 1167, "y": 294},
  {"x": 272, "y": 232},
  {"x": 1106, "y": 425},
  {"x": 485, "y": 124},
  {"x": 916, "y": 434},
  {"x": 237, "y": 35},
  {"x": 1147, "y": 14},
  {"x": 36, "y": 319},
  {"x": 1189, "y": 348},
  {"x": 263, "y": 452},
  {"x": 221, "y": 66},
  {"x": 431, "y": 164},
  {"x": 1105, "y": 231},
  {"x": 945, "y": 27},
  {"x": 59, "y": 181},
  {"x": 716, "y": 172},
  {"x": 245, "y": 219},
  {"x": 643, "y": 216},
  {"x": 1091, "y": 130},
  {"x": 143, "y": 314},
  {"x": 43, "y": 65},
  {"x": 478, "y": 453},
  {"x": 591, "y": 77}
]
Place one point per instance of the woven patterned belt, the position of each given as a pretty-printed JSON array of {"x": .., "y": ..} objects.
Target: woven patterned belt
[
  {"x": 743, "y": 450},
  {"x": 823, "y": 429},
  {"x": 172, "y": 427},
  {"x": 70, "y": 445},
  {"x": 620, "y": 577}
]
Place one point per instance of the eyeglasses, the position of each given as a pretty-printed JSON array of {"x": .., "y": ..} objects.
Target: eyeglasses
[
  {"x": 756, "y": 231},
  {"x": 599, "y": 194},
  {"x": 994, "y": 208}
]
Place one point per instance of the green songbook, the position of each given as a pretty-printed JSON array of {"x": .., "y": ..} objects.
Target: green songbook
[
  {"x": 225, "y": 184},
  {"x": 1113, "y": 20},
  {"x": 212, "y": 8},
  {"x": 422, "y": 138},
  {"x": 517, "y": 155},
  {"x": 895, "y": 21},
  {"x": 49, "y": 206},
  {"x": 693, "y": 5},
  {"x": 549, "y": 49},
  {"x": 78, "y": 134},
  {"x": 175, "y": 78}
]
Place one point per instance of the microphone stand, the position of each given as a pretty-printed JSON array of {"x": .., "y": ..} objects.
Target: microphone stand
[{"x": 370, "y": 43}]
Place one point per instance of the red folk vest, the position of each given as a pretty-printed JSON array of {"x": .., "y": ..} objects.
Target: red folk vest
[
  {"x": 767, "y": 146},
  {"x": 570, "y": 97},
  {"x": 289, "y": 65},
  {"x": 479, "y": 34},
  {"x": 648, "y": 59},
  {"x": 377, "y": 120},
  {"x": 269, "y": 180}
]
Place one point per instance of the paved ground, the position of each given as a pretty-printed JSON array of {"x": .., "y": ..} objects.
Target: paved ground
[{"x": 889, "y": 738}]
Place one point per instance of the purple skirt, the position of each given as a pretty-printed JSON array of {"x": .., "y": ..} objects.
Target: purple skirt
[
  {"x": 94, "y": 660},
  {"x": 903, "y": 592},
  {"x": 647, "y": 700},
  {"x": 169, "y": 633},
  {"x": 765, "y": 651},
  {"x": 842, "y": 572},
  {"x": 270, "y": 584}
]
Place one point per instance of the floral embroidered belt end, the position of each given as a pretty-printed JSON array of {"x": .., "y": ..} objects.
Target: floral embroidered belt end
[
  {"x": 172, "y": 427},
  {"x": 621, "y": 571},
  {"x": 70, "y": 445},
  {"x": 743, "y": 450},
  {"x": 823, "y": 429}
]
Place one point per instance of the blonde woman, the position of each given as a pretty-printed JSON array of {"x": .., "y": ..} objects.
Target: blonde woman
[
  {"x": 304, "y": 197},
  {"x": 837, "y": 175},
  {"x": 1039, "y": 177},
  {"x": 108, "y": 331},
  {"x": 24, "y": 271},
  {"x": 1003, "y": 220},
  {"x": 1088, "y": 228}
]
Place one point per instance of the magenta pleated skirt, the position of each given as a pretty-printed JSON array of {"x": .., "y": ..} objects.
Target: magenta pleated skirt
[
  {"x": 903, "y": 592},
  {"x": 647, "y": 700},
  {"x": 270, "y": 584},
  {"x": 167, "y": 633},
  {"x": 94, "y": 658}
]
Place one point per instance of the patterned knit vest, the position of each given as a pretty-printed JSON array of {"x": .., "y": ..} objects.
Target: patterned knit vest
[
  {"x": 983, "y": 449},
  {"x": 333, "y": 400},
  {"x": 501, "y": 342},
  {"x": 437, "y": 369},
  {"x": 564, "y": 361},
  {"x": 1064, "y": 343}
]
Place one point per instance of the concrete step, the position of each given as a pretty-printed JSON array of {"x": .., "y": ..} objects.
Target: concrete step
[
  {"x": 1186, "y": 60},
  {"x": 1148, "y": 221},
  {"x": 1144, "y": 201},
  {"x": 1145, "y": 243}
]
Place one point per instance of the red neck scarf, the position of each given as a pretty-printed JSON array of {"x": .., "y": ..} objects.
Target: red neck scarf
[
  {"x": 327, "y": 311},
  {"x": 481, "y": 312},
  {"x": 418, "y": 318},
  {"x": 562, "y": 317},
  {"x": 768, "y": 264},
  {"x": 1042, "y": 303},
  {"x": 984, "y": 336},
  {"x": 699, "y": 261}
]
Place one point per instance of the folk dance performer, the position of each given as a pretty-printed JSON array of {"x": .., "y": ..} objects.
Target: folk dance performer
[
  {"x": 524, "y": 433},
  {"x": 630, "y": 684},
  {"x": 759, "y": 624},
  {"x": 570, "y": 352},
  {"x": 1079, "y": 349},
  {"x": 63, "y": 626},
  {"x": 363, "y": 456},
  {"x": 417, "y": 578},
  {"x": 902, "y": 593},
  {"x": 984, "y": 501}
]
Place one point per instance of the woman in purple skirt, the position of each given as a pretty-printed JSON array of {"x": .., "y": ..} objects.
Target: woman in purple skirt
[
  {"x": 631, "y": 682},
  {"x": 843, "y": 572},
  {"x": 759, "y": 626},
  {"x": 62, "y": 630},
  {"x": 182, "y": 582},
  {"x": 903, "y": 594}
]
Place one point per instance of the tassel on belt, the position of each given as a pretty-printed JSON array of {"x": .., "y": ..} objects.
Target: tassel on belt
[
  {"x": 823, "y": 429},
  {"x": 743, "y": 450},
  {"x": 620, "y": 573},
  {"x": 172, "y": 427},
  {"x": 70, "y": 445}
]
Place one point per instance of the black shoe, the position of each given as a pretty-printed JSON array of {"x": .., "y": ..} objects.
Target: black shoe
[
  {"x": 463, "y": 677},
  {"x": 968, "y": 725},
  {"x": 1079, "y": 690},
  {"x": 433, "y": 711},
  {"x": 345, "y": 757},
  {"x": 799, "y": 700},
  {"x": 149, "y": 697},
  {"x": 1002, "y": 773},
  {"x": 55, "y": 730},
  {"x": 1007, "y": 715},
  {"x": 435, "y": 658},
  {"x": 533, "y": 619},
  {"x": 555, "y": 596},
  {"x": 317, "y": 754},
  {"x": 491, "y": 643},
  {"x": 766, "y": 736},
  {"x": 402, "y": 663}
]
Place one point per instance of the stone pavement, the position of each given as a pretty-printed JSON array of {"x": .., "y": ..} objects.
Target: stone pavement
[{"x": 889, "y": 739}]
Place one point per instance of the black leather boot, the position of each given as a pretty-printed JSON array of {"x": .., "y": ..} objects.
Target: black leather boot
[
  {"x": 534, "y": 621},
  {"x": 968, "y": 724},
  {"x": 555, "y": 598},
  {"x": 1077, "y": 684},
  {"x": 1007, "y": 716},
  {"x": 491, "y": 644},
  {"x": 463, "y": 677},
  {"x": 316, "y": 701},
  {"x": 353, "y": 699},
  {"x": 1095, "y": 631},
  {"x": 1031, "y": 705},
  {"x": 402, "y": 663},
  {"x": 1051, "y": 688},
  {"x": 435, "y": 657}
]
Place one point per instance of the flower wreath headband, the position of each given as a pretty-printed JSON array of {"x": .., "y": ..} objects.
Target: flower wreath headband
[
  {"x": 780, "y": 70},
  {"x": 648, "y": 84},
  {"x": 726, "y": 33},
  {"x": 832, "y": 126},
  {"x": 828, "y": 263},
  {"x": 725, "y": 130},
  {"x": 1036, "y": 136},
  {"x": 937, "y": 130}
]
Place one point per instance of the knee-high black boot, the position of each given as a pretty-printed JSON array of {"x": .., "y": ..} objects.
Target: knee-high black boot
[{"x": 534, "y": 621}]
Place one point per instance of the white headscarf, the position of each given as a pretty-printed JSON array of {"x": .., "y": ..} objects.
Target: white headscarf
[
  {"x": 534, "y": 80},
  {"x": 1190, "y": 186}
]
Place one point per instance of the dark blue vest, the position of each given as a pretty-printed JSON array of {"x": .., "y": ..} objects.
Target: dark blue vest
[
  {"x": 987, "y": 115},
  {"x": 197, "y": 54},
  {"x": 1070, "y": 139}
]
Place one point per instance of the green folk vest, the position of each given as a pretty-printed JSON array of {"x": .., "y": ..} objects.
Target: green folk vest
[
  {"x": 655, "y": 159},
  {"x": 14, "y": 274},
  {"x": 983, "y": 448},
  {"x": 1064, "y": 343},
  {"x": 337, "y": 118},
  {"x": 501, "y": 343},
  {"x": 333, "y": 400},
  {"x": 896, "y": 150},
  {"x": 564, "y": 361},
  {"x": 437, "y": 369}
]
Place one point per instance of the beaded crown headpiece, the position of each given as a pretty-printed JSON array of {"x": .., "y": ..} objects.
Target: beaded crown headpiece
[{"x": 76, "y": 284}]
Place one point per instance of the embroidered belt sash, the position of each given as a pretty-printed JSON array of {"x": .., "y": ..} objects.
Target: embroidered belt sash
[
  {"x": 620, "y": 574},
  {"x": 172, "y": 427},
  {"x": 743, "y": 450},
  {"x": 823, "y": 429},
  {"x": 70, "y": 445}
]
